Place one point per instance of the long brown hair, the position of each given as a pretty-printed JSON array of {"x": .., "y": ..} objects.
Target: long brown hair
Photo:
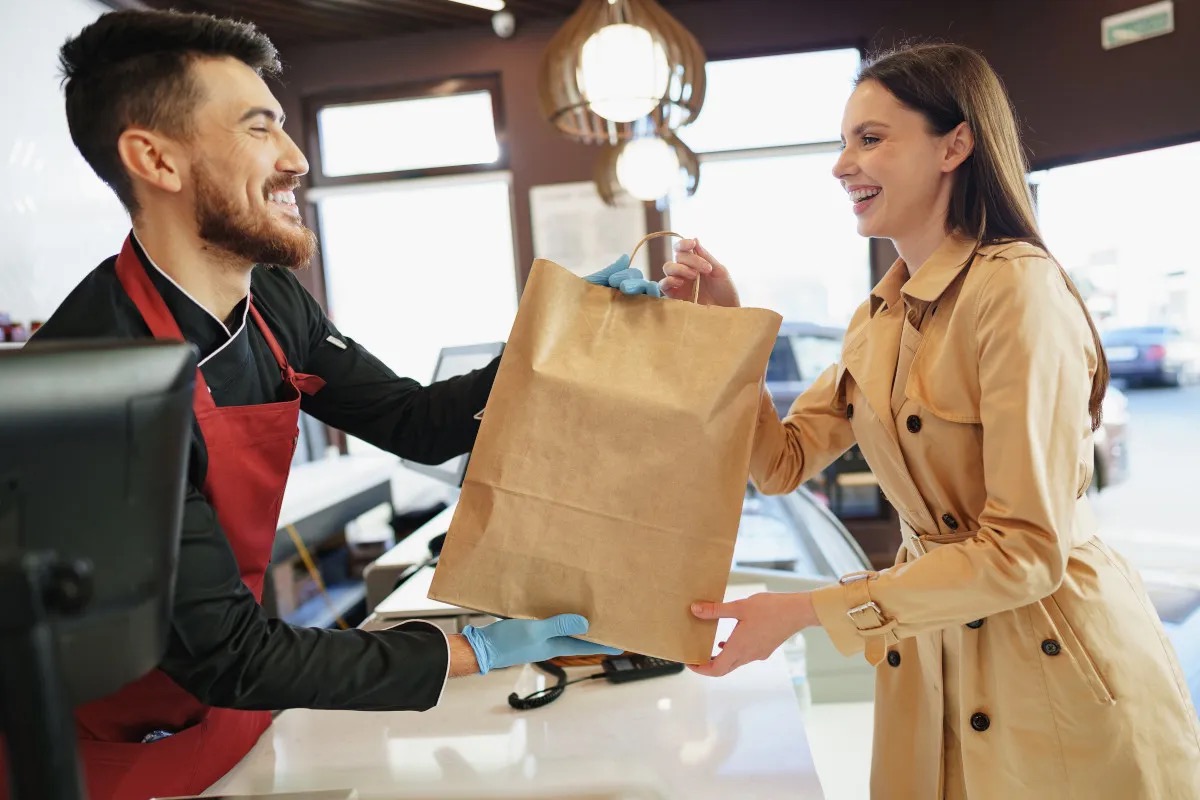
[{"x": 950, "y": 84}]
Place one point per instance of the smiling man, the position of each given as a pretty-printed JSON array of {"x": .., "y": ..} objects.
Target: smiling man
[{"x": 171, "y": 111}]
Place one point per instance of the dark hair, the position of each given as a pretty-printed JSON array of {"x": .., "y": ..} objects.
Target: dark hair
[
  {"x": 950, "y": 84},
  {"x": 132, "y": 68}
]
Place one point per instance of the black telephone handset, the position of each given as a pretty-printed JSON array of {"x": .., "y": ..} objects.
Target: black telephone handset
[
  {"x": 617, "y": 669},
  {"x": 622, "y": 669}
]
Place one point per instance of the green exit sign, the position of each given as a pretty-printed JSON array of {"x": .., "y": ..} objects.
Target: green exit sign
[{"x": 1146, "y": 22}]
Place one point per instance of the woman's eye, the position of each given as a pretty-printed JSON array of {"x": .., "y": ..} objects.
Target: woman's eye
[{"x": 870, "y": 140}]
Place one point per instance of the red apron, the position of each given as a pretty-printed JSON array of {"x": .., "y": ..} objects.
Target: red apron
[{"x": 250, "y": 452}]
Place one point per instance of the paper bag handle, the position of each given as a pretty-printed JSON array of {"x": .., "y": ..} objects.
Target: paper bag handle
[{"x": 659, "y": 235}]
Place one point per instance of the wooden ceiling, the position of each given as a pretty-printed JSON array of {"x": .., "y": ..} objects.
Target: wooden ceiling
[{"x": 305, "y": 21}]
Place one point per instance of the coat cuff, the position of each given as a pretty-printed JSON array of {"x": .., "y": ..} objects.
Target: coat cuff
[
  {"x": 830, "y": 604},
  {"x": 855, "y": 621}
]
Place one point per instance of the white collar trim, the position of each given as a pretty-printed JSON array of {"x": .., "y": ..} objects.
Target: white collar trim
[{"x": 232, "y": 336}]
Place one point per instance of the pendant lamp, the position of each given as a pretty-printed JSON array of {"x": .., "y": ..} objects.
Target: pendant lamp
[{"x": 618, "y": 61}]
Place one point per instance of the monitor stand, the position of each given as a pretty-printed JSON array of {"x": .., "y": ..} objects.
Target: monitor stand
[{"x": 35, "y": 710}]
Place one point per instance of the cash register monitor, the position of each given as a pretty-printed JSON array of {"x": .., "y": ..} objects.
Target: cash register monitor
[
  {"x": 452, "y": 362},
  {"x": 94, "y": 441}
]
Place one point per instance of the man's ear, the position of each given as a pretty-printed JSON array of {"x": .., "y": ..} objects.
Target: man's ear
[
  {"x": 151, "y": 158},
  {"x": 960, "y": 143}
]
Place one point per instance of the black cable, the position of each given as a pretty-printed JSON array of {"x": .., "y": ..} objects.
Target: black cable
[{"x": 544, "y": 697}]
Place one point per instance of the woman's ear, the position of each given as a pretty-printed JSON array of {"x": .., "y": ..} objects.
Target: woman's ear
[{"x": 959, "y": 144}]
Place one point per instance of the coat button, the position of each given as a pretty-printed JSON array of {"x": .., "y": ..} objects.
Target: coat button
[
  {"x": 950, "y": 521},
  {"x": 1051, "y": 647},
  {"x": 977, "y": 624},
  {"x": 914, "y": 424},
  {"x": 980, "y": 722},
  {"x": 850, "y": 411},
  {"x": 893, "y": 658}
]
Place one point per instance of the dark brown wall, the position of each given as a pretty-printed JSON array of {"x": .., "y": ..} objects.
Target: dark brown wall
[
  {"x": 1080, "y": 101},
  {"x": 1076, "y": 100}
]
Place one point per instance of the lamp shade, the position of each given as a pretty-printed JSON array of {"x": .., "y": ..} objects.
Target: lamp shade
[
  {"x": 647, "y": 168},
  {"x": 617, "y": 61}
]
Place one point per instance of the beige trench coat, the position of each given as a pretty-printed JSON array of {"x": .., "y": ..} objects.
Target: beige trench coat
[{"x": 1017, "y": 656}]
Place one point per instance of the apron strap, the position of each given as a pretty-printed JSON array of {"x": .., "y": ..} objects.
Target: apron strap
[
  {"x": 154, "y": 311},
  {"x": 309, "y": 384}
]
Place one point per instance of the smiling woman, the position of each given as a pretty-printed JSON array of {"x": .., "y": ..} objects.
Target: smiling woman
[{"x": 971, "y": 378}]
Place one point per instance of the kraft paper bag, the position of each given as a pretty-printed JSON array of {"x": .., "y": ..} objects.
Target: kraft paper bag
[{"x": 608, "y": 476}]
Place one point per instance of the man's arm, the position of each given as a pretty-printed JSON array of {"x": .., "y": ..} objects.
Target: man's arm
[
  {"x": 365, "y": 398},
  {"x": 226, "y": 651}
]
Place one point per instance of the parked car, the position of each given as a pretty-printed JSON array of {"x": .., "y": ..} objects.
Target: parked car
[
  {"x": 1159, "y": 355},
  {"x": 804, "y": 350},
  {"x": 1111, "y": 441},
  {"x": 801, "y": 353}
]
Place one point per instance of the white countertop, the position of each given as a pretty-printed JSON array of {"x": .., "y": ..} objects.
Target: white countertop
[
  {"x": 315, "y": 485},
  {"x": 681, "y": 736}
]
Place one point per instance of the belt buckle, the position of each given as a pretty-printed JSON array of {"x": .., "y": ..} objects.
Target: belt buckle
[
  {"x": 867, "y": 606},
  {"x": 852, "y": 577}
]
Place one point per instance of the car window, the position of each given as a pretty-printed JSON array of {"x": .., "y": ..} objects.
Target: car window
[
  {"x": 782, "y": 365},
  {"x": 814, "y": 354}
]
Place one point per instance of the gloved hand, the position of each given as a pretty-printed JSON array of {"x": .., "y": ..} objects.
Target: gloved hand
[
  {"x": 619, "y": 275},
  {"x": 524, "y": 641}
]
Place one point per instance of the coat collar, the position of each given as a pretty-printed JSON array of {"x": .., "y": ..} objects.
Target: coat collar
[
  {"x": 870, "y": 354},
  {"x": 939, "y": 271}
]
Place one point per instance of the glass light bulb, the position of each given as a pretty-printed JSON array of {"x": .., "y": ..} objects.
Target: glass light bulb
[
  {"x": 648, "y": 168},
  {"x": 623, "y": 72}
]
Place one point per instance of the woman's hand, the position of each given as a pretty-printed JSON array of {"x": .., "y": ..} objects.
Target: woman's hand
[
  {"x": 765, "y": 621},
  {"x": 693, "y": 261}
]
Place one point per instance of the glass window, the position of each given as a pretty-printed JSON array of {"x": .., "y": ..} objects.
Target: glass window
[
  {"x": 398, "y": 277},
  {"x": 784, "y": 227},
  {"x": 773, "y": 100},
  {"x": 1106, "y": 222},
  {"x": 409, "y": 134}
]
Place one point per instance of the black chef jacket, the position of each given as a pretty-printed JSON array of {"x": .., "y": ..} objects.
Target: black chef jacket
[{"x": 223, "y": 648}]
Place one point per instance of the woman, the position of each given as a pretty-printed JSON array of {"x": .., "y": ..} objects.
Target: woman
[{"x": 1018, "y": 656}]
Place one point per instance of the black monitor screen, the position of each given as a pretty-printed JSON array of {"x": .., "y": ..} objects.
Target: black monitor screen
[{"x": 94, "y": 441}]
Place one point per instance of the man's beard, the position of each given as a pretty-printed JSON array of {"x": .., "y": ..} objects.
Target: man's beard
[{"x": 247, "y": 234}]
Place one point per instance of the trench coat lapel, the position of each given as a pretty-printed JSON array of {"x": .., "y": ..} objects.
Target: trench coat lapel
[{"x": 871, "y": 358}]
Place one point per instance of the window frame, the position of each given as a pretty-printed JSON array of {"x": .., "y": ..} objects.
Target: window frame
[{"x": 419, "y": 90}]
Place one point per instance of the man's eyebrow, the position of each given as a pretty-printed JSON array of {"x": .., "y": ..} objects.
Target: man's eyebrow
[{"x": 262, "y": 111}]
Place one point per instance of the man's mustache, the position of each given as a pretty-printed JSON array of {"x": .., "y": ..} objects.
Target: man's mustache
[{"x": 285, "y": 184}]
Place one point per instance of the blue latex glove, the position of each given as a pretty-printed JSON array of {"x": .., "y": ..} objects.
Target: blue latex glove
[
  {"x": 619, "y": 275},
  {"x": 524, "y": 641}
]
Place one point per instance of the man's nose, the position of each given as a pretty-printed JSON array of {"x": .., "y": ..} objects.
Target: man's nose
[{"x": 292, "y": 159}]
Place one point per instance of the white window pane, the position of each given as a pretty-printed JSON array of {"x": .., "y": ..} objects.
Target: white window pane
[
  {"x": 786, "y": 231},
  {"x": 416, "y": 267},
  {"x": 773, "y": 100},
  {"x": 1120, "y": 227},
  {"x": 396, "y": 135}
]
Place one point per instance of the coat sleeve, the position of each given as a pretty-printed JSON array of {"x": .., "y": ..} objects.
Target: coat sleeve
[
  {"x": 815, "y": 431},
  {"x": 1036, "y": 357}
]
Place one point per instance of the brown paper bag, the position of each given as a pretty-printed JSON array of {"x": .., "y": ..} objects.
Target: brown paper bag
[{"x": 609, "y": 472}]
